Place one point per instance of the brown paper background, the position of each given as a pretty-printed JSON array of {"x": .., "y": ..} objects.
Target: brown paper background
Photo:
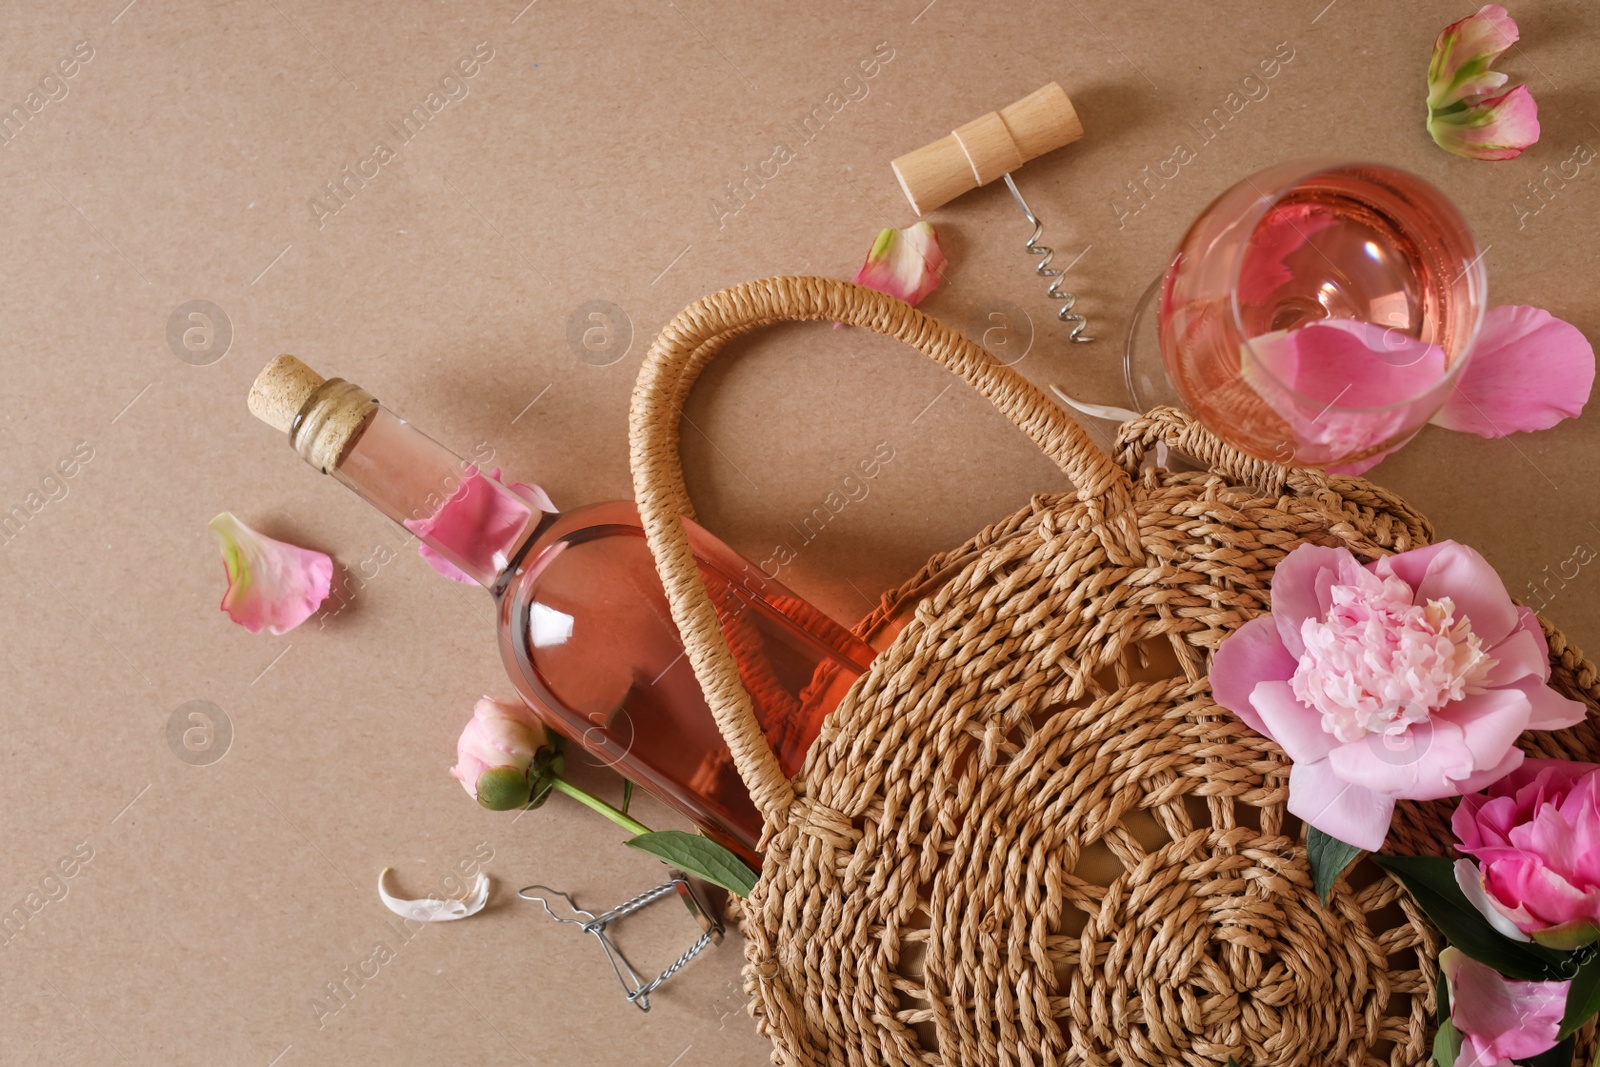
[{"x": 220, "y": 899}]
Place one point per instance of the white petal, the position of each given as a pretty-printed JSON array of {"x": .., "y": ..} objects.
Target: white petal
[
  {"x": 1471, "y": 883},
  {"x": 1099, "y": 411},
  {"x": 430, "y": 910}
]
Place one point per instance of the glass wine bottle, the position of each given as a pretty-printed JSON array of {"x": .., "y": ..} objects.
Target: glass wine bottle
[{"x": 585, "y": 632}]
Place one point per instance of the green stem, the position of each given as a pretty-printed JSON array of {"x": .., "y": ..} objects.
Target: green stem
[{"x": 632, "y": 825}]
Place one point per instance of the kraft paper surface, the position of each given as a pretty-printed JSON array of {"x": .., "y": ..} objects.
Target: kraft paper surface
[{"x": 483, "y": 213}]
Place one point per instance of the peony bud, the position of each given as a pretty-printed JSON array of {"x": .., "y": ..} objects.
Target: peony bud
[{"x": 505, "y": 757}]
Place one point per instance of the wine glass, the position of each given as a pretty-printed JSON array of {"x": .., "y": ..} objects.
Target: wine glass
[{"x": 1316, "y": 313}]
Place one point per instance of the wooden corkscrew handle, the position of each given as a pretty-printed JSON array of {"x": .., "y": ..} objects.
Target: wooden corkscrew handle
[{"x": 987, "y": 147}]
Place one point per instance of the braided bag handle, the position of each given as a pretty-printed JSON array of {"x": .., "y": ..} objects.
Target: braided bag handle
[{"x": 675, "y": 361}]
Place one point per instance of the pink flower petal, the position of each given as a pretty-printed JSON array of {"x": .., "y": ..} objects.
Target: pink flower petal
[
  {"x": 479, "y": 521},
  {"x": 1470, "y": 881},
  {"x": 1427, "y": 762},
  {"x": 1460, "y": 573},
  {"x": 1361, "y": 364},
  {"x": 904, "y": 263},
  {"x": 271, "y": 585},
  {"x": 1370, "y": 763},
  {"x": 1338, "y": 808},
  {"x": 1479, "y": 820},
  {"x": 1332, "y": 366},
  {"x": 1252, "y": 653},
  {"x": 1551, "y": 710},
  {"x": 1522, "y": 654},
  {"x": 1297, "y": 594},
  {"x": 1411, "y": 566},
  {"x": 1279, "y": 237},
  {"x": 1528, "y": 371},
  {"x": 1500, "y": 1018},
  {"x": 1469, "y": 111},
  {"x": 533, "y": 494},
  {"x": 1490, "y": 723},
  {"x": 1488, "y": 128},
  {"x": 1463, "y": 53},
  {"x": 1548, "y": 834},
  {"x": 1489, "y": 775},
  {"x": 1296, "y": 728},
  {"x": 1544, "y": 894}
]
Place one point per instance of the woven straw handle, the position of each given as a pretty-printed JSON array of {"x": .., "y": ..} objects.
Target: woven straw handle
[{"x": 676, "y": 359}]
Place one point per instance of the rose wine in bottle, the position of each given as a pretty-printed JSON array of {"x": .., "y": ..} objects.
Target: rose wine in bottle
[{"x": 585, "y": 631}]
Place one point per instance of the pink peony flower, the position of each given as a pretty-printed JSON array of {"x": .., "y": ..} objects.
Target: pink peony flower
[
  {"x": 904, "y": 263},
  {"x": 1500, "y": 1019},
  {"x": 500, "y": 740},
  {"x": 480, "y": 521},
  {"x": 1410, "y": 678},
  {"x": 1467, "y": 114},
  {"x": 1536, "y": 836},
  {"x": 272, "y": 585}
]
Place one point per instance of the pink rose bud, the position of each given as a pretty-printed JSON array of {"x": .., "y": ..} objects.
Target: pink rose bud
[
  {"x": 495, "y": 751},
  {"x": 1536, "y": 837}
]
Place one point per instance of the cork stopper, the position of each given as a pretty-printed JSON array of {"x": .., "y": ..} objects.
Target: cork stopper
[
  {"x": 322, "y": 416},
  {"x": 281, "y": 390},
  {"x": 987, "y": 147}
]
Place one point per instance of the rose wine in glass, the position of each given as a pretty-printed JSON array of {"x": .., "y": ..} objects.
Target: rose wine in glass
[
  {"x": 585, "y": 631},
  {"x": 1320, "y": 313}
]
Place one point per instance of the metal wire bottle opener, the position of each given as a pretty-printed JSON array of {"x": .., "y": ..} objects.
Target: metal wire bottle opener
[{"x": 635, "y": 988}]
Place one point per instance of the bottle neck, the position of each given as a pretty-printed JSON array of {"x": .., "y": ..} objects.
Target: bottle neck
[{"x": 447, "y": 502}]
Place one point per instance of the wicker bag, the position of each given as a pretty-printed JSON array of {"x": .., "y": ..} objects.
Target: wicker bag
[{"x": 1028, "y": 835}]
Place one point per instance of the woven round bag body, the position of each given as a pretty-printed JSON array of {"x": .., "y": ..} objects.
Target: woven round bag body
[{"x": 1028, "y": 835}]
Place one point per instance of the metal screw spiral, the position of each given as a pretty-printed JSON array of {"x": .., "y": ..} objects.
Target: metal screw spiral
[{"x": 1045, "y": 270}]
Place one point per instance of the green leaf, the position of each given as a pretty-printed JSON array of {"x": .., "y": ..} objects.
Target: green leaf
[
  {"x": 1447, "y": 1042},
  {"x": 1232, "y": 1062},
  {"x": 627, "y": 795},
  {"x": 1583, "y": 997},
  {"x": 1431, "y": 881},
  {"x": 1560, "y": 1056},
  {"x": 1446, "y": 1045},
  {"x": 700, "y": 856},
  {"x": 1329, "y": 857}
]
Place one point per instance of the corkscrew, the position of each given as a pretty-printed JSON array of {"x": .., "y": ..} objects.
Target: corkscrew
[
  {"x": 634, "y": 988},
  {"x": 1055, "y": 274},
  {"x": 993, "y": 146}
]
